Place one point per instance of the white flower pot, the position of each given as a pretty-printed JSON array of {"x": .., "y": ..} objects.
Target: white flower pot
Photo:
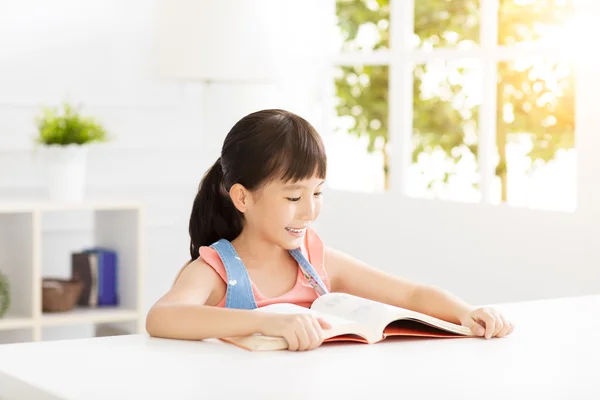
[{"x": 65, "y": 168}]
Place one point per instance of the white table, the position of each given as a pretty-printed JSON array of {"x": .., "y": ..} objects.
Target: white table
[{"x": 553, "y": 354}]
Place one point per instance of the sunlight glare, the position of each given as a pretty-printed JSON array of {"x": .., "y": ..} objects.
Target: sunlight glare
[{"x": 573, "y": 37}]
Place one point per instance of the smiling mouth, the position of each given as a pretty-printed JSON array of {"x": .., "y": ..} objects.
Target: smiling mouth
[{"x": 295, "y": 230}]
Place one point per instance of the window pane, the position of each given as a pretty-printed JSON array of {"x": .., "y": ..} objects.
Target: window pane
[
  {"x": 356, "y": 148},
  {"x": 443, "y": 23},
  {"x": 446, "y": 102},
  {"x": 535, "y": 135},
  {"x": 363, "y": 25},
  {"x": 522, "y": 21}
]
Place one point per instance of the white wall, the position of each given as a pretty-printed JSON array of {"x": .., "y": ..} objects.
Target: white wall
[
  {"x": 482, "y": 253},
  {"x": 103, "y": 55}
]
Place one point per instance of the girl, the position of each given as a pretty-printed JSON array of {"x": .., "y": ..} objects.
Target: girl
[{"x": 252, "y": 245}]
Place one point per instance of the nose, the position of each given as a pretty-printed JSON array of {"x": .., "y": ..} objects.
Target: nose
[{"x": 307, "y": 213}]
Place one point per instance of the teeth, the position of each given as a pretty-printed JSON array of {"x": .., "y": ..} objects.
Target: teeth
[{"x": 295, "y": 230}]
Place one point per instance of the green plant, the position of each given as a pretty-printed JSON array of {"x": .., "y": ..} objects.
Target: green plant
[
  {"x": 70, "y": 127},
  {"x": 4, "y": 294}
]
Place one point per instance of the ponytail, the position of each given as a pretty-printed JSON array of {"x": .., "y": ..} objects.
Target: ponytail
[{"x": 213, "y": 214}]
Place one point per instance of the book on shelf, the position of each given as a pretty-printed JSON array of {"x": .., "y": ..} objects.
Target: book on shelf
[
  {"x": 97, "y": 268},
  {"x": 355, "y": 319}
]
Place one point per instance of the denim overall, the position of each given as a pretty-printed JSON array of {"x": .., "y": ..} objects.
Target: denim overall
[{"x": 239, "y": 288}]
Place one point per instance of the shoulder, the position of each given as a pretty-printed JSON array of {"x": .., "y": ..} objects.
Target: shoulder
[
  {"x": 194, "y": 271},
  {"x": 199, "y": 279},
  {"x": 209, "y": 263}
]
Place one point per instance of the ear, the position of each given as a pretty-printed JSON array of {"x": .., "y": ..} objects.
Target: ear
[{"x": 240, "y": 197}]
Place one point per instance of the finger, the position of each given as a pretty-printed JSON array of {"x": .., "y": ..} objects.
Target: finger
[
  {"x": 490, "y": 325},
  {"x": 499, "y": 324},
  {"x": 292, "y": 340},
  {"x": 504, "y": 331},
  {"x": 311, "y": 332},
  {"x": 512, "y": 328},
  {"x": 316, "y": 334},
  {"x": 324, "y": 324},
  {"x": 318, "y": 328},
  {"x": 476, "y": 328},
  {"x": 303, "y": 339}
]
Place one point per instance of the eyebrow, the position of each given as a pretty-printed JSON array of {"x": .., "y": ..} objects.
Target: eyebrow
[{"x": 296, "y": 187}]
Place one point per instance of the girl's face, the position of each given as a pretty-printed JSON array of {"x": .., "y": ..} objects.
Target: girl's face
[{"x": 280, "y": 212}]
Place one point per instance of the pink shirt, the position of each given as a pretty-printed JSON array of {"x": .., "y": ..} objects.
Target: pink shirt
[{"x": 302, "y": 293}]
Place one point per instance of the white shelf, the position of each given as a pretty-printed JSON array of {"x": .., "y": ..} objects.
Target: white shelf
[
  {"x": 31, "y": 206},
  {"x": 10, "y": 323},
  {"x": 73, "y": 317},
  {"x": 91, "y": 315},
  {"x": 29, "y": 253}
]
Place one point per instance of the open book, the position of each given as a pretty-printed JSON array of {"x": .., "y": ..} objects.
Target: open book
[{"x": 355, "y": 319}]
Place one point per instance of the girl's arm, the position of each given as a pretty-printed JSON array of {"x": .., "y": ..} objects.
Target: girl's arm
[
  {"x": 353, "y": 276},
  {"x": 182, "y": 312}
]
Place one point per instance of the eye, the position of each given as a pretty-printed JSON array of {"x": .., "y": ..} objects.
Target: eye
[
  {"x": 319, "y": 194},
  {"x": 294, "y": 199}
]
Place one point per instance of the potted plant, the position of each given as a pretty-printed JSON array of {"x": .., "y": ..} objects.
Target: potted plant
[
  {"x": 64, "y": 138},
  {"x": 4, "y": 294}
]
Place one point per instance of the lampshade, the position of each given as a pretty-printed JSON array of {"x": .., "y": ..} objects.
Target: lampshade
[{"x": 220, "y": 40}]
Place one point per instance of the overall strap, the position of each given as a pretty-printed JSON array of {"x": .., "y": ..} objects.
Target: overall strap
[
  {"x": 239, "y": 288},
  {"x": 309, "y": 272}
]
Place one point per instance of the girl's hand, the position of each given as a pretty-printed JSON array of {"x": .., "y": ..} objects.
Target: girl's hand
[
  {"x": 301, "y": 331},
  {"x": 488, "y": 322}
]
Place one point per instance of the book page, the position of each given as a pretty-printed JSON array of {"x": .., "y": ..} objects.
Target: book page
[
  {"x": 374, "y": 314},
  {"x": 371, "y": 314}
]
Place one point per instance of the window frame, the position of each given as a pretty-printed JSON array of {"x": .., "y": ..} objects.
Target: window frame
[{"x": 401, "y": 59}]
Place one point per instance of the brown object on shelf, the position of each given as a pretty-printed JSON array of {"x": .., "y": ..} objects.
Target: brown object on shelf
[{"x": 60, "y": 294}]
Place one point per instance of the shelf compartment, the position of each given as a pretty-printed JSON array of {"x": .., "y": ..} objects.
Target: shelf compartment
[{"x": 82, "y": 315}]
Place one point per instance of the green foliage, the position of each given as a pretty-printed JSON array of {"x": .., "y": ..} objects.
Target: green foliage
[
  {"x": 528, "y": 103},
  {"x": 352, "y": 14},
  {"x": 4, "y": 294},
  {"x": 541, "y": 109},
  {"x": 443, "y": 23},
  {"x": 363, "y": 95},
  {"x": 68, "y": 128}
]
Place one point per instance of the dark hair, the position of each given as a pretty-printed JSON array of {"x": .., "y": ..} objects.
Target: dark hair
[{"x": 263, "y": 146}]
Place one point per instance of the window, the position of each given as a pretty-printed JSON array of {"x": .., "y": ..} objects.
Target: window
[{"x": 462, "y": 100}]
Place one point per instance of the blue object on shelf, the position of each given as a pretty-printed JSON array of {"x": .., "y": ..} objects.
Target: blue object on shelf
[{"x": 107, "y": 275}]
